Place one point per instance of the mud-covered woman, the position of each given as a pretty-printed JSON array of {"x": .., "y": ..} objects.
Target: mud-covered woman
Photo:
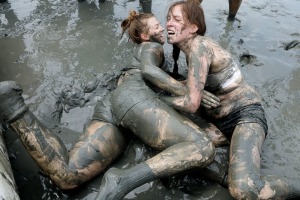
[
  {"x": 240, "y": 115},
  {"x": 132, "y": 105},
  {"x": 182, "y": 143}
]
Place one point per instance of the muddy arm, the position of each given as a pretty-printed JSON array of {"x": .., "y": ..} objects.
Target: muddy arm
[
  {"x": 152, "y": 57},
  {"x": 198, "y": 66}
]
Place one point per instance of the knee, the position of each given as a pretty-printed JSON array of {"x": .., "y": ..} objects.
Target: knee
[{"x": 246, "y": 189}]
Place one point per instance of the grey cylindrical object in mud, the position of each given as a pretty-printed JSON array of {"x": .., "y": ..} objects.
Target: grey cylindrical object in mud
[
  {"x": 8, "y": 188},
  {"x": 146, "y": 5}
]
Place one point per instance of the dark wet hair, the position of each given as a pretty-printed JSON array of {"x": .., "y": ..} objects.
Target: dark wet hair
[
  {"x": 193, "y": 12},
  {"x": 136, "y": 25}
]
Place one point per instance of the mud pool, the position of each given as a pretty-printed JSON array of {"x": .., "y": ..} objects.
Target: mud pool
[{"x": 48, "y": 44}]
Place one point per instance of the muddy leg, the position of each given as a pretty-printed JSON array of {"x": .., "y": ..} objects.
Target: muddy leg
[
  {"x": 117, "y": 183},
  {"x": 234, "y": 6},
  {"x": 44, "y": 147},
  {"x": 280, "y": 188},
  {"x": 184, "y": 146},
  {"x": 218, "y": 170},
  {"x": 244, "y": 166},
  {"x": 100, "y": 144}
]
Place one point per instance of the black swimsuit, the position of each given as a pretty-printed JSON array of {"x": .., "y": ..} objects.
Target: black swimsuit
[{"x": 253, "y": 113}]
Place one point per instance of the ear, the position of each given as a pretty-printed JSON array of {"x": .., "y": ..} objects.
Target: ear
[
  {"x": 145, "y": 37},
  {"x": 193, "y": 28}
]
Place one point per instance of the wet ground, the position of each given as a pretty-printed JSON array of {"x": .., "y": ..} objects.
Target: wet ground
[{"x": 48, "y": 44}]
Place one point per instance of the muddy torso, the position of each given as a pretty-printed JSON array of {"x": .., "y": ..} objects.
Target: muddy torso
[
  {"x": 130, "y": 92},
  {"x": 131, "y": 88},
  {"x": 225, "y": 80}
]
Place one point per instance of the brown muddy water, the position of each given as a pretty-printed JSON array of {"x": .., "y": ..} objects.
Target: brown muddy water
[{"x": 48, "y": 44}]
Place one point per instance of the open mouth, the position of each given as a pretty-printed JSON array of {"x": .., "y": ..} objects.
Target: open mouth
[{"x": 171, "y": 33}]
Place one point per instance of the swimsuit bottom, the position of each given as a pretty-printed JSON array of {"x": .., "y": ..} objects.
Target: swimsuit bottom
[{"x": 253, "y": 113}]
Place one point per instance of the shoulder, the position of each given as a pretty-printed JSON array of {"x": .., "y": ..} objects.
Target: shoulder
[
  {"x": 204, "y": 45},
  {"x": 202, "y": 41},
  {"x": 152, "y": 49}
]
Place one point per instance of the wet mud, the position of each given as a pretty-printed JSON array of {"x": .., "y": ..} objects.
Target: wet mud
[{"x": 52, "y": 47}]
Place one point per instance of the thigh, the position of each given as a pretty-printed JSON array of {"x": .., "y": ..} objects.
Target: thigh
[
  {"x": 245, "y": 152},
  {"x": 212, "y": 131},
  {"x": 246, "y": 142},
  {"x": 160, "y": 126}
]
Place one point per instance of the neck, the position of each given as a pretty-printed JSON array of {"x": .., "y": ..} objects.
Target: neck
[{"x": 185, "y": 45}]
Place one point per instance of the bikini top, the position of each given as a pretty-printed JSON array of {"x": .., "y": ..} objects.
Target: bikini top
[{"x": 215, "y": 81}]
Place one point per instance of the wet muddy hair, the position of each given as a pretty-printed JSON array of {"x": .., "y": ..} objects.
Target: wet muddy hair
[
  {"x": 193, "y": 13},
  {"x": 136, "y": 24}
]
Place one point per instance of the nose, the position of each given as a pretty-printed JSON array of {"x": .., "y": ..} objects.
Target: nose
[{"x": 169, "y": 23}]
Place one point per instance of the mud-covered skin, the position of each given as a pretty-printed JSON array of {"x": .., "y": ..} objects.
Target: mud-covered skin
[
  {"x": 244, "y": 171},
  {"x": 184, "y": 145},
  {"x": 102, "y": 142},
  {"x": 83, "y": 162},
  {"x": 150, "y": 59},
  {"x": 206, "y": 58},
  {"x": 217, "y": 171},
  {"x": 245, "y": 180},
  {"x": 97, "y": 147}
]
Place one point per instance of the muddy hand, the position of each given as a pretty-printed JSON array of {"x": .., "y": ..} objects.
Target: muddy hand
[{"x": 209, "y": 100}]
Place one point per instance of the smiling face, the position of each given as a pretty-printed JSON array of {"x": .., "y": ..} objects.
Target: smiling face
[
  {"x": 179, "y": 29},
  {"x": 155, "y": 31}
]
